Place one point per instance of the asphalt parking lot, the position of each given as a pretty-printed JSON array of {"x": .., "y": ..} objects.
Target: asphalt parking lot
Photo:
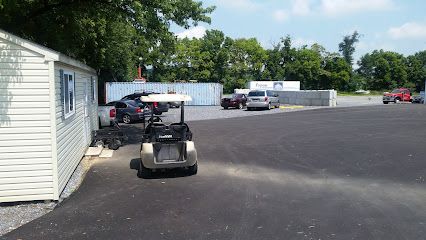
[{"x": 342, "y": 173}]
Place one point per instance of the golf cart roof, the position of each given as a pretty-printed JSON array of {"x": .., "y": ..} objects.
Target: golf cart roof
[{"x": 166, "y": 98}]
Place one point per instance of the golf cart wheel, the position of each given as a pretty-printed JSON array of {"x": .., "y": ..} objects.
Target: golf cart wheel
[
  {"x": 192, "y": 170},
  {"x": 127, "y": 119},
  {"x": 143, "y": 172},
  {"x": 240, "y": 106}
]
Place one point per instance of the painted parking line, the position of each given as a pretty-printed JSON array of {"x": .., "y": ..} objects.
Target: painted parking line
[{"x": 291, "y": 107}]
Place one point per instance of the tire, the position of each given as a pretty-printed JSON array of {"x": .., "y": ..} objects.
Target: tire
[
  {"x": 100, "y": 124},
  {"x": 114, "y": 144},
  {"x": 396, "y": 100},
  {"x": 269, "y": 106},
  {"x": 385, "y": 102},
  {"x": 240, "y": 106},
  {"x": 99, "y": 143},
  {"x": 278, "y": 105},
  {"x": 225, "y": 107},
  {"x": 127, "y": 119},
  {"x": 249, "y": 109},
  {"x": 144, "y": 172},
  {"x": 192, "y": 170}
]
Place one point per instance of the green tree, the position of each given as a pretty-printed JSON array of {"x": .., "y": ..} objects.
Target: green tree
[
  {"x": 384, "y": 70},
  {"x": 347, "y": 46},
  {"x": 416, "y": 69},
  {"x": 107, "y": 35}
]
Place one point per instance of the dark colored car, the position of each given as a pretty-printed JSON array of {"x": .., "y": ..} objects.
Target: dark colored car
[
  {"x": 159, "y": 108},
  {"x": 237, "y": 100},
  {"x": 128, "y": 111},
  {"x": 418, "y": 99}
]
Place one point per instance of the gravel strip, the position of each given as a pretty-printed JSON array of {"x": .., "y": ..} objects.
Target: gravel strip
[{"x": 16, "y": 214}]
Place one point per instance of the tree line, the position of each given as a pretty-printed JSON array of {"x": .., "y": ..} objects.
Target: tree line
[
  {"x": 113, "y": 35},
  {"x": 234, "y": 62}
]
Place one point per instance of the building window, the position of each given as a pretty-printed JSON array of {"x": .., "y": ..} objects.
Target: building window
[
  {"x": 94, "y": 90},
  {"x": 68, "y": 93}
]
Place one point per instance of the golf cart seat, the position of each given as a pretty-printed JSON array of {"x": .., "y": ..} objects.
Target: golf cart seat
[{"x": 160, "y": 132}]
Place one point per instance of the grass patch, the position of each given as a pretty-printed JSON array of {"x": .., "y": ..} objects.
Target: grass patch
[{"x": 372, "y": 93}]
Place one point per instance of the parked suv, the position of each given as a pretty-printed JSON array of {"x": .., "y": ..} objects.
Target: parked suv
[
  {"x": 397, "y": 95},
  {"x": 159, "y": 108},
  {"x": 236, "y": 101},
  {"x": 262, "y": 99}
]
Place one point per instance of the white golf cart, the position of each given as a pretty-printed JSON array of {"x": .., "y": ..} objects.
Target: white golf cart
[{"x": 166, "y": 146}]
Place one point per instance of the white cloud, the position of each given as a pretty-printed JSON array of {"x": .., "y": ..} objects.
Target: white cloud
[
  {"x": 339, "y": 7},
  {"x": 410, "y": 30},
  {"x": 246, "y": 5},
  {"x": 301, "y": 7},
  {"x": 280, "y": 15},
  {"x": 195, "y": 32}
]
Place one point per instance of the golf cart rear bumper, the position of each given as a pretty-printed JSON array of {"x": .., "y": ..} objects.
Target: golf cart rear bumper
[{"x": 149, "y": 158}]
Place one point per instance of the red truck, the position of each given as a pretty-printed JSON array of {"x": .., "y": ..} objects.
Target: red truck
[{"x": 397, "y": 95}]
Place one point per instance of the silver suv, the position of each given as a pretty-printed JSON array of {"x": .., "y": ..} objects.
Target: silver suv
[{"x": 262, "y": 99}]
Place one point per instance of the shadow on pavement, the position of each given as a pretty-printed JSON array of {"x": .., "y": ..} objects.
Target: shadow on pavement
[{"x": 160, "y": 174}]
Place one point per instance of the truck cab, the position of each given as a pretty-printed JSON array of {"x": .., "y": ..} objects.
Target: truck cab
[{"x": 397, "y": 95}]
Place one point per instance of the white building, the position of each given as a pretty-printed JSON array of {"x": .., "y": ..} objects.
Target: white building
[
  {"x": 275, "y": 85},
  {"x": 48, "y": 108}
]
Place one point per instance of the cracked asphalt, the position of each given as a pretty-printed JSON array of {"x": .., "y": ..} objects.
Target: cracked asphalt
[{"x": 335, "y": 173}]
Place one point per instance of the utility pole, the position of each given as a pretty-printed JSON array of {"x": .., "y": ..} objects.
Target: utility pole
[{"x": 424, "y": 94}]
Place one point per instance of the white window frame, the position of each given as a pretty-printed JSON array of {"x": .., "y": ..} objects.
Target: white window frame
[
  {"x": 94, "y": 90},
  {"x": 69, "y": 106}
]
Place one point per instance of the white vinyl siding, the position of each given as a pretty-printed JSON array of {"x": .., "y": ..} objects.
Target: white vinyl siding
[
  {"x": 39, "y": 148},
  {"x": 71, "y": 136},
  {"x": 25, "y": 136}
]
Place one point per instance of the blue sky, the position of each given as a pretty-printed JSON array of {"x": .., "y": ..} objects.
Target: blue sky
[{"x": 394, "y": 25}]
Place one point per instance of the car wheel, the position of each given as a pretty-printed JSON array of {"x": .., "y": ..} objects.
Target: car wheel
[
  {"x": 192, "y": 170},
  {"x": 127, "y": 119},
  {"x": 385, "y": 102},
  {"x": 249, "y": 108},
  {"x": 143, "y": 172},
  {"x": 269, "y": 106},
  {"x": 278, "y": 105},
  {"x": 225, "y": 107},
  {"x": 240, "y": 106},
  {"x": 397, "y": 100}
]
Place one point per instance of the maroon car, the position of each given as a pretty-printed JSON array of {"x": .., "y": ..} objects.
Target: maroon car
[{"x": 237, "y": 100}]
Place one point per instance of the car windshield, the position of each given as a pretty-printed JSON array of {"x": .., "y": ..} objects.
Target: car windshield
[
  {"x": 256, "y": 94},
  {"x": 396, "y": 91}
]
